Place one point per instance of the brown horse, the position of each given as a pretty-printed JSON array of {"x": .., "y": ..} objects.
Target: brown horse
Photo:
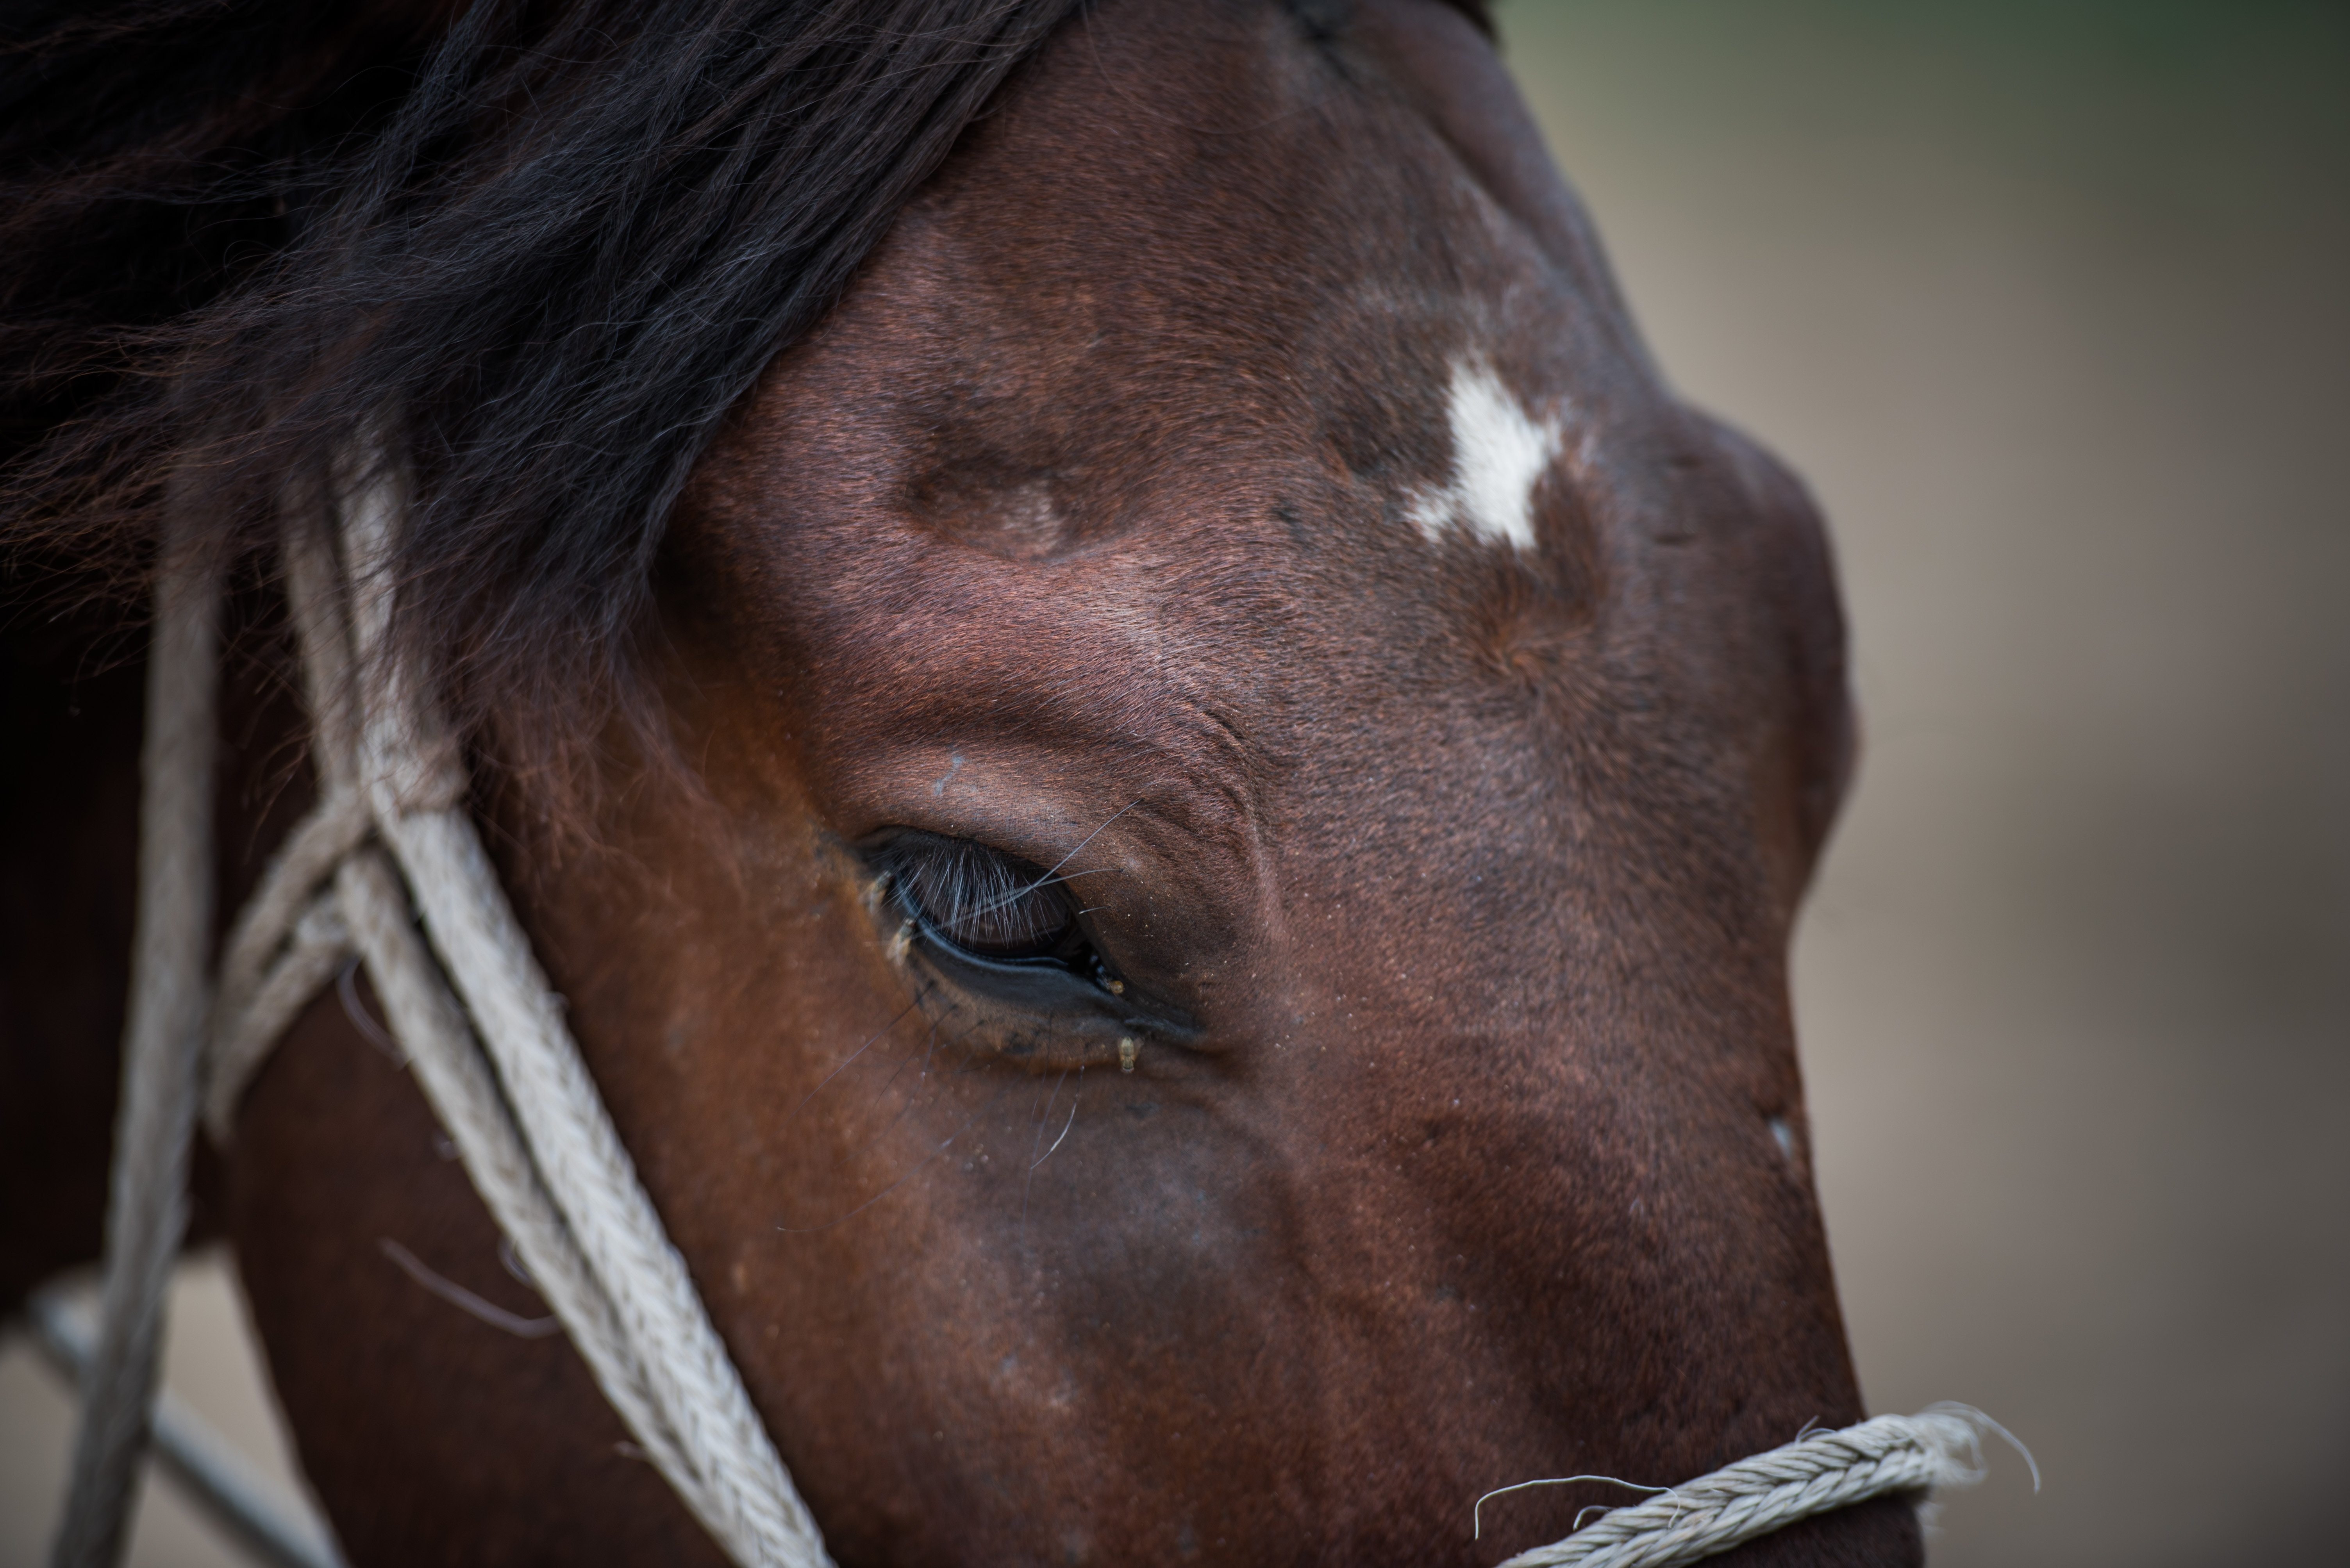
[{"x": 1196, "y": 963}]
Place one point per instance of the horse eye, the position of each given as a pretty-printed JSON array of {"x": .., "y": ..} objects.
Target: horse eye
[{"x": 975, "y": 899}]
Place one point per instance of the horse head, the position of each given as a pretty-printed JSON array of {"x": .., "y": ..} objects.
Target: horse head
[{"x": 1202, "y": 970}]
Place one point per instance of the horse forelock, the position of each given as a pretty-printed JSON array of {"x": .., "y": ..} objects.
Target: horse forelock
[
  {"x": 544, "y": 249},
  {"x": 540, "y": 251}
]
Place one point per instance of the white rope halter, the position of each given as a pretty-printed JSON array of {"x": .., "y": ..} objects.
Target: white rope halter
[
  {"x": 389, "y": 845},
  {"x": 476, "y": 1017}
]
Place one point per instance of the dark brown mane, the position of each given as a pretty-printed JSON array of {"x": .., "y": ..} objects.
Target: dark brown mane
[{"x": 560, "y": 242}]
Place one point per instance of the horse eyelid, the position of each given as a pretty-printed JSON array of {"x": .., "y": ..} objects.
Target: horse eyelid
[{"x": 955, "y": 886}]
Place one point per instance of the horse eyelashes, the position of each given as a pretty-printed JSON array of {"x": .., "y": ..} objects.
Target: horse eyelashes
[
  {"x": 996, "y": 929},
  {"x": 997, "y": 952},
  {"x": 977, "y": 899}
]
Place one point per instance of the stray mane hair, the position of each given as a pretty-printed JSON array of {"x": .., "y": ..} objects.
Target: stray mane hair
[{"x": 532, "y": 253}]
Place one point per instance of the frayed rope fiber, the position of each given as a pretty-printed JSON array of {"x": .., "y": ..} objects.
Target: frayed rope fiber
[{"x": 1941, "y": 1447}]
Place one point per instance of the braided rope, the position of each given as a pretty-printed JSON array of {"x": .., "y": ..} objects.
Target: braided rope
[
  {"x": 731, "y": 1473},
  {"x": 1817, "y": 1473},
  {"x": 485, "y": 1036}
]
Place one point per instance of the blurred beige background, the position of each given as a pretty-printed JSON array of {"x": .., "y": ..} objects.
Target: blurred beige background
[{"x": 2051, "y": 302}]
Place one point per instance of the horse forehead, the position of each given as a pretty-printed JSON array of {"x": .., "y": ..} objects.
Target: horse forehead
[
  {"x": 1181, "y": 244},
  {"x": 1062, "y": 348},
  {"x": 1170, "y": 367}
]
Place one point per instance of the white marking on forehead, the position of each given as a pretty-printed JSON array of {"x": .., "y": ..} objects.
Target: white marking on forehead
[{"x": 1500, "y": 452}]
